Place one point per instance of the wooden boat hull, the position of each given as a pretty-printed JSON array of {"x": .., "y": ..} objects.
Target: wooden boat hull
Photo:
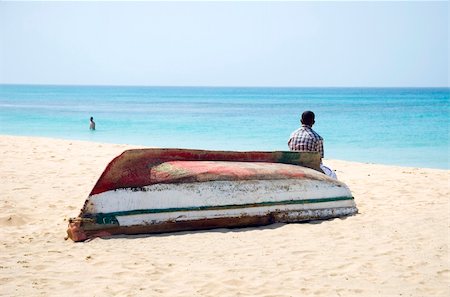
[{"x": 200, "y": 192}]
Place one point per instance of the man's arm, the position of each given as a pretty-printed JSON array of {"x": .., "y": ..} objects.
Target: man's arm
[
  {"x": 320, "y": 147},
  {"x": 289, "y": 144}
]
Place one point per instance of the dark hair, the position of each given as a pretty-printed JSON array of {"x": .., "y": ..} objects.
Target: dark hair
[
  {"x": 308, "y": 118},
  {"x": 91, "y": 118}
]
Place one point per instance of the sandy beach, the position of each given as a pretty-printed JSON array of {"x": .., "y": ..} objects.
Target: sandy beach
[{"x": 397, "y": 245}]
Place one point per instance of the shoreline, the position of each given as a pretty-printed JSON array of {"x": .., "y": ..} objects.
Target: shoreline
[
  {"x": 398, "y": 243},
  {"x": 130, "y": 146}
]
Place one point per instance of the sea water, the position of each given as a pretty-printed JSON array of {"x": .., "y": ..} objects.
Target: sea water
[{"x": 400, "y": 126}]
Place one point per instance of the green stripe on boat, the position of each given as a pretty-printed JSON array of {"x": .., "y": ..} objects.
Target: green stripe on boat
[{"x": 110, "y": 218}]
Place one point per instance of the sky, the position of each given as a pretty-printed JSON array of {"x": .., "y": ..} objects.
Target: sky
[{"x": 298, "y": 44}]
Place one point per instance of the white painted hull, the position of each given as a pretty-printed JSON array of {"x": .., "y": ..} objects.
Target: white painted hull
[
  {"x": 214, "y": 193},
  {"x": 179, "y": 216},
  {"x": 181, "y": 202}
]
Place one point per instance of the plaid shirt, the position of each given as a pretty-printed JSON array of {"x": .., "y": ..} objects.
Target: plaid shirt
[{"x": 306, "y": 139}]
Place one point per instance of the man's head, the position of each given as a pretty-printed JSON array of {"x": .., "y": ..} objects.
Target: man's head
[{"x": 308, "y": 118}]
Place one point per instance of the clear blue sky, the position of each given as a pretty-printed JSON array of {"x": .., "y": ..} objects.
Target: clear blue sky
[{"x": 225, "y": 43}]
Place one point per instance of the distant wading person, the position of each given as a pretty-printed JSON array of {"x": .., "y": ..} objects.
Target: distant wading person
[
  {"x": 92, "y": 124},
  {"x": 305, "y": 139}
]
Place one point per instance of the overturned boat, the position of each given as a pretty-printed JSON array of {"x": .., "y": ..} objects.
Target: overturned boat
[{"x": 166, "y": 190}]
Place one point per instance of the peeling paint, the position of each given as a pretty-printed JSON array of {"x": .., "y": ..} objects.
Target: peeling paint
[{"x": 166, "y": 190}]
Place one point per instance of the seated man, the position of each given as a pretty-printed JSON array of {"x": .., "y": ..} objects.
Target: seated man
[{"x": 305, "y": 139}]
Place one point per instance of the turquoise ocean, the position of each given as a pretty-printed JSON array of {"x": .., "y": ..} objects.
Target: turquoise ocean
[{"x": 398, "y": 126}]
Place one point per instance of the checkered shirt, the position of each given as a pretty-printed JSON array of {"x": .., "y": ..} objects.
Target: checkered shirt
[{"x": 305, "y": 139}]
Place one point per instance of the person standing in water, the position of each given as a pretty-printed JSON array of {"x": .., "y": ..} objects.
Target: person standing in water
[
  {"x": 307, "y": 140},
  {"x": 92, "y": 124}
]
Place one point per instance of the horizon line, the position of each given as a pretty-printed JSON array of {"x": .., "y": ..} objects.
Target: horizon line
[{"x": 223, "y": 86}]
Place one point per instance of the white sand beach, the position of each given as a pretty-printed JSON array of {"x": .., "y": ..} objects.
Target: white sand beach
[{"x": 397, "y": 245}]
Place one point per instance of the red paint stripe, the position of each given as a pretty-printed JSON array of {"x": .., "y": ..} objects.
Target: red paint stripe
[{"x": 202, "y": 171}]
